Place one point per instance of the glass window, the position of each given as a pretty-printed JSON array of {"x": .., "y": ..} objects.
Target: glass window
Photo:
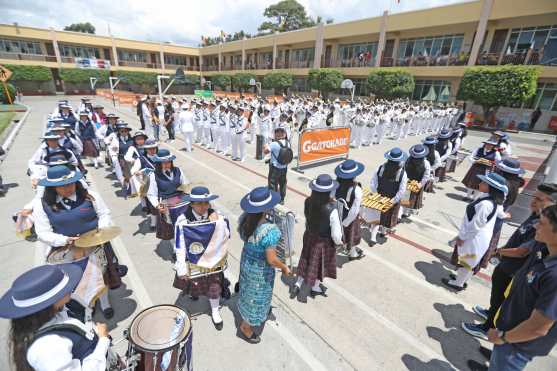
[
  {"x": 524, "y": 41},
  {"x": 23, "y": 47},
  {"x": 546, "y": 99},
  {"x": 446, "y": 46},
  {"x": 436, "y": 48},
  {"x": 409, "y": 48},
  {"x": 419, "y": 47},
  {"x": 457, "y": 44},
  {"x": 539, "y": 39},
  {"x": 512, "y": 42}
]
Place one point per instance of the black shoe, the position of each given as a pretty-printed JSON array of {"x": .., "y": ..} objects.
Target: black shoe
[
  {"x": 122, "y": 270},
  {"x": 295, "y": 291},
  {"x": 237, "y": 287},
  {"x": 452, "y": 276},
  {"x": 486, "y": 352},
  {"x": 253, "y": 339},
  {"x": 476, "y": 366},
  {"x": 218, "y": 325},
  {"x": 194, "y": 298},
  {"x": 313, "y": 294},
  {"x": 450, "y": 285},
  {"x": 360, "y": 255},
  {"x": 108, "y": 313}
]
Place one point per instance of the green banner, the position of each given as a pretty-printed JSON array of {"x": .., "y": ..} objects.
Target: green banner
[{"x": 203, "y": 93}]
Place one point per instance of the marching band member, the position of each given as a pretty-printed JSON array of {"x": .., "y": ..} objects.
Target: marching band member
[
  {"x": 211, "y": 286},
  {"x": 98, "y": 116},
  {"x": 418, "y": 169},
  {"x": 444, "y": 147},
  {"x": 323, "y": 232},
  {"x": 352, "y": 193},
  {"x": 198, "y": 122},
  {"x": 186, "y": 125},
  {"x": 222, "y": 125},
  {"x": 265, "y": 125},
  {"x": 476, "y": 229},
  {"x": 66, "y": 211},
  {"x": 119, "y": 143},
  {"x": 434, "y": 161},
  {"x": 389, "y": 180},
  {"x": 66, "y": 114},
  {"x": 238, "y": 143},
  {"x": 456, "y": 142},
  {"x": 488, "y": 152},
  {"x": 43, "y": 336},
  {"x": 87, "y": 132},
  {"x": 259, "y": 260},
  {"x": 503, "y": 145},
  {"x": 164, "y": 183},
  {"x": 133, "y": 159},
  {"x": 49, "y": 148}
]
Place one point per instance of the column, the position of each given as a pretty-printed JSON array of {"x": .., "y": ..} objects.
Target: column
[
  {"x": 382, "y": 37},
  {"x": 55, "y": 46},
  {"x": 275, "y": 50},
  {"x": 487, "y": 5},
  {"x": 114, "y": 51},
  {"x": 243, "y": 53},
  {"x": 318, "y": 45},
  {"x": 200, "y": 63},
  {"x": 395, "y": 50},
  {"x": 161, "y": 53},
  {"x": 220, "y": 56}
]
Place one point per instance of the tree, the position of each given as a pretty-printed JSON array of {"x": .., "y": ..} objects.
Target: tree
[
  {"x": 241, "y": 80},
  {"x": 81, "y": 75},
  {"x": 221, "y": 80},
  {"x": 84, "y": 27},
  {"x": 278, "y": 81},
  {"x": 3, "y": 97},
  {"x": 288, "y": 15},
  {"x": 138, "y": 78},
  {"x": 492, "y": 87},
  {"x": 390, "y": 83},
  {"x": 325, "y": 80}
]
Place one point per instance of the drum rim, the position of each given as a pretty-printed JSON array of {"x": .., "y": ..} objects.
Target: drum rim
[{"x": 188, "y": 334}]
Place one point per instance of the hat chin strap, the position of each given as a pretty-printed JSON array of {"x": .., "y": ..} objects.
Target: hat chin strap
[{"x": 43, "y": 297}]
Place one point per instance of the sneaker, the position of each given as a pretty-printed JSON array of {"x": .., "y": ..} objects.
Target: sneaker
[
  {"x": 482, "y": 312},
  {"x": 474, "y": 330}
]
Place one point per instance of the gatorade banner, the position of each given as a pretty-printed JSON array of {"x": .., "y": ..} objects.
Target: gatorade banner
[{"x": 316, "y": 145}]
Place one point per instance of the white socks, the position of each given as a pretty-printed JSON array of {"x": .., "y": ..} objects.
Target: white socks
[
  {"x": 354, "y": 252},
  {"x": 215, "y": 310},
  {"x": 462, "y": 275},
  {"x": 299, "y": 281},
  {"x": 373, "y": 232},
  {"x": 96, "y": 162},
  {"x": 153, "y": 220},
  {"x": 316, "y": 286},
  {"x": 103, "y": 300}
]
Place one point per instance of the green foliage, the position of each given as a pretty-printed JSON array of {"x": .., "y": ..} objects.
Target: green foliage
[
  {"x": 139, "y": 78},
  {"x": 29, "y": 73},
  {"x": 492, "y": 87},
  {"x": 240, "y": 35},
  {"x": 192, "y": 79},
  {"x": 278, "y": 80},
  {"x": 325, "y": 80},
  {"x": 79, "y": 75},
  {"x": 221, "y": 80},
  {"x": 286, "y": 15},
  {"x": 11, "y": 91},
  {"x": 84, "y": 27},
  {"x": 390, "y": 83},
  {"x": 242, "y": 79}
]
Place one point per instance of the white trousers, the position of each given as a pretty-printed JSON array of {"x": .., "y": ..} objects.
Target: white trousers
[
  {"x": 188, "y": 139},
  {"x": 207, "y": 136},
  {"x": 221, "y": 139},
  {"x": 238, "y": 146}
]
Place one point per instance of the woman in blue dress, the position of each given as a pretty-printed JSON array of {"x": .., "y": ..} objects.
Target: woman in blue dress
[{"x": 259, "y": 260}]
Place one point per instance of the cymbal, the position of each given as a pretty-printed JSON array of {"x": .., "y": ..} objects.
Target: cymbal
[
  {"x": 186, "y": 188},
  {"x": 97, "y": 236}
]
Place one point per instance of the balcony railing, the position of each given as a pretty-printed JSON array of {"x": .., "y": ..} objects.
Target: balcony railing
[
  {"x": 138, "y": 64},
  {"x": 440, "y": 60},
  {"x": 348, "y": 63},
  {"x": 210, "y": 68},
  {"x": 259, "y": 66},
  {"x": 525, "y": 57},
  {"x": 28, "y": 57}
]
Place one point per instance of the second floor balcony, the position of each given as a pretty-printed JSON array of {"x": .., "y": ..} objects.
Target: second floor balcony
[
  {"x": 139, "y": 64},
  {"x": 28, "y": 57}
]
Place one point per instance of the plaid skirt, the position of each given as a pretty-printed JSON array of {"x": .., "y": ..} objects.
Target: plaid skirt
[
  {"x": 428, "y": 187},
  {"x": 317, "y": 259},
  {"x": 209, "y": 286},
  {"x": 165, "y": 230},
  {"x": 416, "y": 199},
  {"x": 353, "y": 233},
  {"x": 89, "y": 148},
  {"x": 471, "y": 179},
  {"x": 451, "y": 164},
  {"x": 389, "y": 219},
  {"x": 441, "y": 172}
]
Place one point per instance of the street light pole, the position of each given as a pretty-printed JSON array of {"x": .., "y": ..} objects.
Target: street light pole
[
  {"x": 114, "y": 81},
  {"x": 93, "y": 82}
]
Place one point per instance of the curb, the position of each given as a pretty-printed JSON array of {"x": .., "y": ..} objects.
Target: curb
[{"x": 15, "y": 130}]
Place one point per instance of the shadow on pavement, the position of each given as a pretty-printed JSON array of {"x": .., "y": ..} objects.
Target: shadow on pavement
[
  {"x": 414, "y": 364},
  {"x": 165, "y": 250},
  {"x": 433, "y": 272},
  {"x": 124, "y": 306}
]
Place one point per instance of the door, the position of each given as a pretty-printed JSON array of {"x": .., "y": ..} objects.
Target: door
[
  {"x": 57, "y": 80},
  {"x": 287, "y": 58},
  {"x": 328, "y": 56},
  {"x": 498, "y": 42}
]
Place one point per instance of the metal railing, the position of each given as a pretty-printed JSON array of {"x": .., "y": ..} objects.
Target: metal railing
[{"x": 28, "y": 57}]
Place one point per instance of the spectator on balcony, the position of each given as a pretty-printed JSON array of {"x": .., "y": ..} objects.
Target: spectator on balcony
[
  {"x": 361, "y": 59},
  {"x": 368, "y": 57}
]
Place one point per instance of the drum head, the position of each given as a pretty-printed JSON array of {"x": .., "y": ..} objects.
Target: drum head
[{"x": 159, "y": 328}]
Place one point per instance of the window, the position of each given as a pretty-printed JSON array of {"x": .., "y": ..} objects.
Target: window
[
  {"x": 523, "y": 39},
  {"x": 303, "y": 55},
  {"x": 436, "y": 90},
  {"x": 431, "y": 46},
  {"x": 130, "y": 56},
  {"x": 178, "y": 60},
  {"x": 79, "y": 51},
  {"x": 22, "y": 47},
  {"x": 545, "y": 98},
  {"x": 348, "y": 54}
]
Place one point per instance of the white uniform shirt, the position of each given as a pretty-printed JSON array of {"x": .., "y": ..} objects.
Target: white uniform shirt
[
  {"x": 355, "y": 209},
  {"x": 336, "y": 229},
  {"x": 185, "y": 120}
]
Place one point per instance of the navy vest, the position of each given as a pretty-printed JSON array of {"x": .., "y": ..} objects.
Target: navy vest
[
  {"x": 415, "y": 172},
  {"x": 488, "y": 156},
  {"x": 57, "y": 152},
  {"x": 471, "y": 208},
  {"x": 109, "y": 130},
  {"x": 191, "y": 218},
  {"x": 86, "y": 130},
  {"x": 146, "y": 163},
  {"x": 70, "y": 119},
  {"x": 82, "y": 346},
  {"x": 124, "y": 145},
  {"x": 81, "y": 218},
  {"x": 339, "y": 194},
  {"x": 388, "y": 187},
  {"x": 68, "y": 144},
  {"x": 168, "y": 188},
  {"x": 442, "y": 147}
]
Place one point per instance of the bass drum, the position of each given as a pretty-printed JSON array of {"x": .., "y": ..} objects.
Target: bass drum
[{"x": 160, "y": 339}]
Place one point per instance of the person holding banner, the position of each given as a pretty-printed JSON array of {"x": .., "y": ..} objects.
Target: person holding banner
[
  {"x": 388, "y": 180},
  {"x": 323, "y": 232},
  {"x": 278, "y": 167},
  {"x": 199, "y": 212},
  {"x": 259, "y": 260},
  {"x": 350, "y": 192}
]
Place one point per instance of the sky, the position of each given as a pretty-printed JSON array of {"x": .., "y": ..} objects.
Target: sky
[{"x": 184, "y": 22}]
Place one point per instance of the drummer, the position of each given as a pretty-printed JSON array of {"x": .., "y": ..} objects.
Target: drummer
[
  {"x": 66, "y": 211},
  {"x": 211, "y": 286},
  {"x": 35, "y": 303},
  {"x": 418, "y": 169},
  {"x": 487, "y": 151},
  {"x": 164, "y": 183},
  {"x": 118, "y": 144},
  {"x": 351, "y": 192},
  {"x": 389, "y": 180}
]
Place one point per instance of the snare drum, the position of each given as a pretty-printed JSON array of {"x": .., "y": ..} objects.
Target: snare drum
[
  {"x": 176, "y": 206},
  {"x": 160, "y": 339}
]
